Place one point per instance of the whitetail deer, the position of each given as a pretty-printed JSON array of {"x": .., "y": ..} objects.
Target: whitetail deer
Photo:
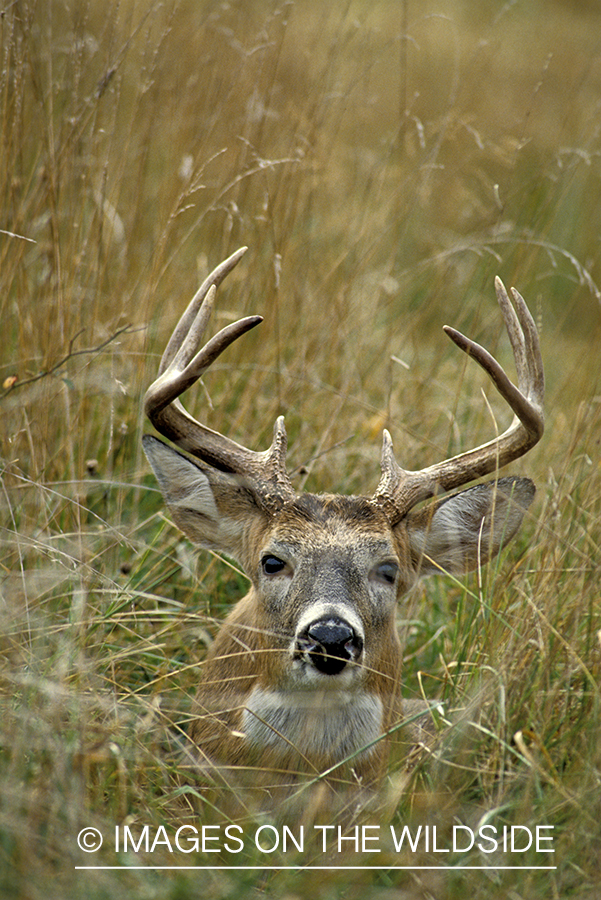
[{"x": 304, "y": 674}]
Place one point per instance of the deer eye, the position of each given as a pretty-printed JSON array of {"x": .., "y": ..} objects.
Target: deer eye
[
  {"x": 386, "y": 572},
  {"x": 271, "y": 565}
]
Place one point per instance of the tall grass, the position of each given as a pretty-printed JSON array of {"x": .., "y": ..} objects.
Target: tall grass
[{"x": 383, "y": 161}]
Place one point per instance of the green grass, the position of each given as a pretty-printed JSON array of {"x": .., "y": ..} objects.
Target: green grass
[{"x": 383, "y": 162}]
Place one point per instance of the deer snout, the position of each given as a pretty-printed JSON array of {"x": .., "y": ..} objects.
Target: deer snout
[{"x": 329, "y": 644}]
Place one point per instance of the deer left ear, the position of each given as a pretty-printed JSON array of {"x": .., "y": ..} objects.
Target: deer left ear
[
  {"x": 468, "y": 529},
  {"x": 212, "y": 508}
]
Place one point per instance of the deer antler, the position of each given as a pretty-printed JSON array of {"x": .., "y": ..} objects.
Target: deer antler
[
  {"x": 185, "y": 361},
  {"x": 400, "y": 490},
  {"x": 182, "y": 364}
]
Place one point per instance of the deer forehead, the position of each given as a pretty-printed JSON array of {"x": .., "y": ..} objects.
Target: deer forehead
[{"x": 328, "y": 527}]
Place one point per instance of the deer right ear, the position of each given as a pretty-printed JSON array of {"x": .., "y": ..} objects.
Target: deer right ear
[
  {"x": 468, "y": 529},
  {"x": 211, "y": 507}
]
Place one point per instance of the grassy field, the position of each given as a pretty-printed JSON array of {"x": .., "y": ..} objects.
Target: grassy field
[{"x": 383, "y": 161}]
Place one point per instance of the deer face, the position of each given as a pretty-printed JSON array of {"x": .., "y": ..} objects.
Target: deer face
[
  {"x": 328, "y": 576},
  {"x": 326, "y": 579}
]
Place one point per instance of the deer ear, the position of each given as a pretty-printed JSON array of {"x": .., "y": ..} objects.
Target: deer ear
[
  {"x": 212, "y": 508},
  {"x": 469, "y": 528}
]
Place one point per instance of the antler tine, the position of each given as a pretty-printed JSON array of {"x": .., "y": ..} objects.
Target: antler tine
[
  {"x": 399, "y": 490},
  {"x": 184, "y": 361},
  {"x": 531, "y": 377},
  {"x": 198, "y": 300}
]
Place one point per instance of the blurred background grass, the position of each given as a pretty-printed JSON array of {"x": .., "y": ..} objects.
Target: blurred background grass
[{"x": 383, "y": 161}]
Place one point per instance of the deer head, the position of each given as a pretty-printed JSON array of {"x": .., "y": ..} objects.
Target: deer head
[{"x": 305, "y": 672}]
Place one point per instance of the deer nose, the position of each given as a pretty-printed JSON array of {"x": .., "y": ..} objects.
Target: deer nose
[{"x": 329, "y": 644}]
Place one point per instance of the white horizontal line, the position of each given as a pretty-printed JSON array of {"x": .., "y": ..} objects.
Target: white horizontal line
[{"x": 127, "y": 868}]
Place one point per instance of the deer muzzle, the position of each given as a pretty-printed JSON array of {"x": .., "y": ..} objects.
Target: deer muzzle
[{"x": 329, "y": 644}]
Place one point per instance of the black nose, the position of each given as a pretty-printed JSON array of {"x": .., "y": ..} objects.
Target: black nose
[{"x": 330, "y": 644}]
